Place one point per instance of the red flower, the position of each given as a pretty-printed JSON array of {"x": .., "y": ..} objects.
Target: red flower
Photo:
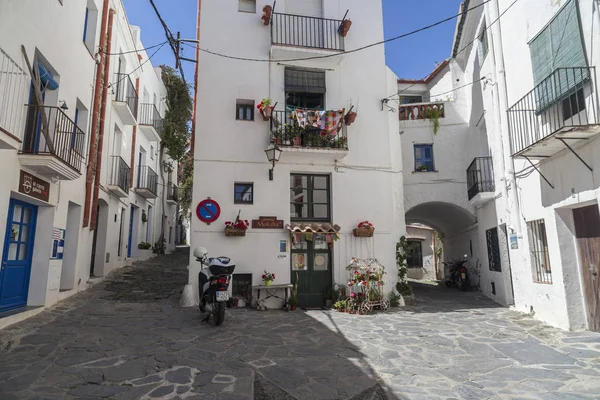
[
  {"x": 273, "y": 275},
  {"x": 264, "y": 276}
]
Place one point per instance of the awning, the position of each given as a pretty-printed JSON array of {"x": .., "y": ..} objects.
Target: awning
[
  {"x": 46, "y": 77},
  {"x": 324, "y": 228}
]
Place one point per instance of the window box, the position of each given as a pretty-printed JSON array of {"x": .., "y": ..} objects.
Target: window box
[
  {"x": 363, "y": 232},
  {"x": 235, "y": 232}
]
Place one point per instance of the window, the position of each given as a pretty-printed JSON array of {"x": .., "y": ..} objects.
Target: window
[
  {"x": 493, "y": 248},
  {"x": 247, "y": 6},
  {"x": 241, "y": 285},
  {"x": 90, "y": 20},
  {"x": 424, "y": 158},
  {"x": 483, "y": 44},
  {"x": 411, "y": 99},
  {"x": 305, "y": 88},
  {"x": 415, "y": 260},
  {"x": 309, "y": 197},
  {"x": 538, "y": 249},
  {"x": 243, "y": 193},
  {"x": 558, "y": 45},
  {"x": 573, "y": 105},
  {"x": 244, "y": 110}
]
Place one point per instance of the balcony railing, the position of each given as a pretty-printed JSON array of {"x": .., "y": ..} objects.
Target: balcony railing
[
  {"x": 564, "y": 101},
  {"x": 147, "y": 179},
  {"x": 14, "y": 89},
  {"x": 120, "y": 173},
  {"x": 125, "y": 92},
  {"x": 480, "y": 176},
  {"x": 172, "y": 192},
  {"x": 150, "y": 116},
  {"x": 409, "y": 112},
  {"x": 287, "y": 132},
  {"x": 303, "y": 31},
  {"x": 67, "y": 141}
]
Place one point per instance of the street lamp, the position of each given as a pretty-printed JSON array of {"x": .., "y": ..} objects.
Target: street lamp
[{"x": 273, "y": 153}]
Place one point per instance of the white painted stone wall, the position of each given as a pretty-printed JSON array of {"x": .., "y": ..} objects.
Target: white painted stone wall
[{"x": 426, "y": 237}]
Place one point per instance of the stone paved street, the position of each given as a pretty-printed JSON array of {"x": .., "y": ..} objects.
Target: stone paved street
[{"x": 127, "y": 339}]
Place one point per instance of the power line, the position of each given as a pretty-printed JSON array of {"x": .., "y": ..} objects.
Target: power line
[
  {"x": 134, "y": 51},
  {"x": 458, "y": 88},
  {"x": 141, "y": 65},
  {"x": 346, "y": 52},
  {"x": 463, "y": 49},
  {"x": 170, "y": 38}
]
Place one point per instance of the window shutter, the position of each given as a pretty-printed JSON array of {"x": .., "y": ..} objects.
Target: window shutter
[
  {"x": 311, "y": 8},
  {"x": 247, "y": 6},
  {"x": 559, "y": 45},
  {"x": 304, "y": 81}
]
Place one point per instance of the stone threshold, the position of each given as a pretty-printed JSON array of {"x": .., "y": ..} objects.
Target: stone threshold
[{"x": 10, "y": 317}]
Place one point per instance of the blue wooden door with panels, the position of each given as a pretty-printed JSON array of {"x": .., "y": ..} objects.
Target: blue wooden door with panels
[{"x": 17, "y": 255}]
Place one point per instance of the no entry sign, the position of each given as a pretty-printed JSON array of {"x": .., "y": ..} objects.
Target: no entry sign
[{"x": 208, "y": 211}]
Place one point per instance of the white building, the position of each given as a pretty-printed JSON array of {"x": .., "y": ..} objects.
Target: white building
[
  {"x": 524, "y": 82},
  {"x": 422, "y": 262},
  {"x": 332, "y": 182},
  {"x": 48, "y": 247}
]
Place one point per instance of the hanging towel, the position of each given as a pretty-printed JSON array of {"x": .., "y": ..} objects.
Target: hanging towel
[{"x": 331, "y": 122}]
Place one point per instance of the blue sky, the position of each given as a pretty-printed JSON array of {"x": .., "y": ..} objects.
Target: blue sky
[{"x": 411, "y": 57}]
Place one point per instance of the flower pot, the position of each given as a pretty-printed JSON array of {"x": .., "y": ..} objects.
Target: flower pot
[
  {"x": 277, "y": 141},
  {"x": 345, "y": 27},
  {"x": 297, "y": 141},
  {"x": 267, "y": 283},
  {"x": 350, "y": 118},
  {"x": 292, "y": 308},
  {"x": 363, "y": 232},
  {"x": 266, "y": 113},
  {"x": 231, "y": 232},
  {"x": 266, "y": 17}
]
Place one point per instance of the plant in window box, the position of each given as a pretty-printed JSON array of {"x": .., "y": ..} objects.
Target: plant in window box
[
  {"x": 277, "y": 135},
  {"x": 364, "y": 229},
  {"x": 296, "y": 132},
  {"x": 237, "y": 227},
  {"x": 265, "y": 108},
  {"x": 341, "y": 143},
  {"x": 422, "y": 168}
]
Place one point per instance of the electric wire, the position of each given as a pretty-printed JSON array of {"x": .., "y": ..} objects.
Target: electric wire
[
  {"x": 346, "y": 52},
  {"x": 169, "y": 35},
  {"x": 133, "y": 51},
  {"x": 141, "y": 65}
]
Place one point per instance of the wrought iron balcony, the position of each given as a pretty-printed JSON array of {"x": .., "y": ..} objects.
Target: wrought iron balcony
[
  {"x": 172, "y": 193},
  {"x": 147, "y": 181},
  {"x": 416, "y": 111},
  {"x": 59, "y": 151},
  {"x": 308, "y": 32},
  {"x": 286, "y": 132},
  {"x": 14, "y": 89},
  {"x": 564, "y": 106},
  {"x": 150, "y": 121},
  {"x": 480, "y": 177},
  {"x": 126, "y": 98},
  {"x": 119, "y": 176}
]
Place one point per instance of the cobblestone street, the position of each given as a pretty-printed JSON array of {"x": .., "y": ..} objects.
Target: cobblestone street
[{"x": 127, "y": 339}]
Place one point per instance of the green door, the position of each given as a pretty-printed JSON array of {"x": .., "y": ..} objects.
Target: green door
[{"x": 311, "y": 263}]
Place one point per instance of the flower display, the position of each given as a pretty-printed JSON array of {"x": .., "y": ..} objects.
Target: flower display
[
  {"x": 365, "y": 225},
  {"x": 239, "y": 224},
  {"x": 268, "y": 277}
]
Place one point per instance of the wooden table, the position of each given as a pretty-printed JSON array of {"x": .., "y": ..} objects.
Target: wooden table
[{"x": 271, "y": 291}]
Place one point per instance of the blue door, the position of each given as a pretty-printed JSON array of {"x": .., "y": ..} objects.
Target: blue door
[
  {"x": 17, "y": 255},
  {"x": 131, "y": 215}
]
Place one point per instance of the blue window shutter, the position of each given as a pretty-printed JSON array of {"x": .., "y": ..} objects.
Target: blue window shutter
[
  {"x": 85, "y": 24},
  {"x": 424, "y": 157}
]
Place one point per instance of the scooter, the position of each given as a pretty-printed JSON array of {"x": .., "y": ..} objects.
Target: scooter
[
  {"x": 213, "y": 284},
  {"x": 459, "y": 275}
]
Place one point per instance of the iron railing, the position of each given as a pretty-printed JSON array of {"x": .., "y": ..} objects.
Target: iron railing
[
  {"x": 120, "y": 173},
  {"x": 172, "y": 192},
  {"x": 303, "y": 31},
  {"x": 480, "y": 176},
  {"x": 414, "y": 111},
  {"x": 14, "y": 88},
  {"x": 538, "y": 250},
  {"x": 147, "y": 179},
  {"x": 568, "y": 98},
  {"x": 125, "y": 92},
  {"x": 67, "y": 141},
  {"x": 150, "y": 116},
  {"x": 286, "y": 132}
]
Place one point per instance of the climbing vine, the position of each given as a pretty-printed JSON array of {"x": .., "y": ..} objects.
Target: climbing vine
[{"x": 403, "y": 250}]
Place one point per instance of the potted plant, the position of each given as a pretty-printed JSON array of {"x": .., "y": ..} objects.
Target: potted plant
[
  {"x": 294, "y": 296},
  {"x": 265, "y": 108},
  {"x": 144, "y": 251},
  {"x": 296, "y": 134},
  {"x": 266, "y": 17},
  {"x": 344, "y": 27},
  {"x": 144, "y": 216},
  {"x": 329, "y": 297},
  {"x": 341, "y": 143},
  {"x": 350, "y": 117},
  {"x": 268, "y": 277},
  {"x": 364, "y": 229},
  {"x": 237, "y": 227},
  {"x": 277, "y": 135}
]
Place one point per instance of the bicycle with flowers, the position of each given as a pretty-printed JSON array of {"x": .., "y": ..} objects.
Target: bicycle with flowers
[{"x": 366, "y": 283}]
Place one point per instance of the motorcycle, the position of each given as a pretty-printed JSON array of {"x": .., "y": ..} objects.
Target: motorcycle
[
  {"x": 459, "y": 275},
  {"x": 213, "y": 284}
]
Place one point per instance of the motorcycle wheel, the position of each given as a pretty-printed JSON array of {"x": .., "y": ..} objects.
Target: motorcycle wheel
[{"x": 219, "y": 315}]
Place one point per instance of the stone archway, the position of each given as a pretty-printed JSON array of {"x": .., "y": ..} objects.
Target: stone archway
[{"x": 446, "y": 218}]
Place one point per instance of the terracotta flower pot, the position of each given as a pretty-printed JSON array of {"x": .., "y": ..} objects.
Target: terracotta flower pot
[
  {"x": 297, "y": 141},
  {"x": 350, "y": 118},
  {"x": 266, "y": 17},
  {"x": 277, "y": 141},
  {"x": 345, "y": 27},
  {"x": 266, "y": 113},
  {"x": 292, "y": 308}
]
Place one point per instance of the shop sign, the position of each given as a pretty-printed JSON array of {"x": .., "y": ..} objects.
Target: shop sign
[
  {"x": 33, "y": 186},
  {"x": 267, "y": 223}
]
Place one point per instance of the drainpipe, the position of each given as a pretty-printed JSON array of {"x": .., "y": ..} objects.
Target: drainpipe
[
  {"x": 192, "y": 144},
  {"x": 94, "y": 221},
  {"x": 95, "y": 111},
  {"x": 133, "y": 141}
]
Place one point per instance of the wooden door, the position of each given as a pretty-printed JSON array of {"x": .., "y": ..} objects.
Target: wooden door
[
  {"x": 587, "y": 231},
  {"x": 311, "y": 265}
]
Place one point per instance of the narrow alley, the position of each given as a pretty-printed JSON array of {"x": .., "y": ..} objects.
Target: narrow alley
[{"x": 128, "y": 339}]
